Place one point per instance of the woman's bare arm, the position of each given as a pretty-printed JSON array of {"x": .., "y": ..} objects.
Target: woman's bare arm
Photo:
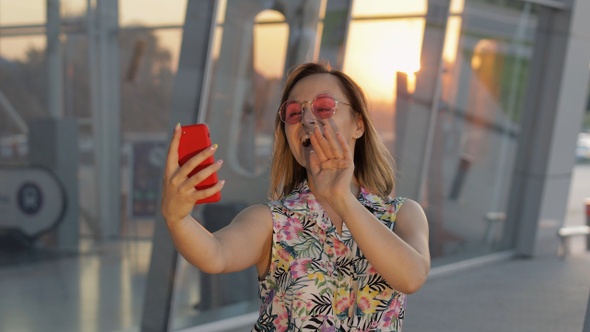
[
  {"x": 402, "y": 257},
  {"x": 243, "y": 243}
]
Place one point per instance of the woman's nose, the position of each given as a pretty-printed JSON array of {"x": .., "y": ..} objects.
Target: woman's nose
[{"x": 308, "y": 118}]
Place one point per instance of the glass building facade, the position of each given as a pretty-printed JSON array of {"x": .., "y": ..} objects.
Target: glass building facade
[{"x": 90, "y": 91}]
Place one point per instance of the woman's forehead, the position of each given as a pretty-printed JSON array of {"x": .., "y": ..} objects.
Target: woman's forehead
[{"x": 310, "y": 86}]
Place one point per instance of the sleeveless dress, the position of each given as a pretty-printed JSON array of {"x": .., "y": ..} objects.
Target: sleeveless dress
[{"x": 319, "y": 280}]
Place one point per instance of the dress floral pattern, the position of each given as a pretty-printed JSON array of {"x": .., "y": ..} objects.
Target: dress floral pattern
[{"x": 319, "y": 280}]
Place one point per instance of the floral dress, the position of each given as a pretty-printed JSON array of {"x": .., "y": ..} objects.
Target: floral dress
[{"x": 319, "y": 280}]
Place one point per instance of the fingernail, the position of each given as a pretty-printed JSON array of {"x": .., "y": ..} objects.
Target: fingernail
[
  {"x": 177, "y": 126},
  {"x": 214, "y": 147},
  {"x": 220, "y": 162},
  {"x": 222, "y": 182}
]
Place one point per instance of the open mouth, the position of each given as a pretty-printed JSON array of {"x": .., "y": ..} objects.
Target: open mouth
[{"x": 306, "y": 142}]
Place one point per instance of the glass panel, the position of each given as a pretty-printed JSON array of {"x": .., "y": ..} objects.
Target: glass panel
[
  {"x": 578, "y": 206},
  {"x": 18, "y": 12},
  {"x": 377, "y": 8},
  {"x": 270, "y": 44},
  {"x": 149, "y": 58},
  {"x": 486, "y": 58},
  {"x": 456, "y": 7},
  {"x": 249, "y": 60},
  {"x": 152, "y": 13},
  {"x": 375, "y": 62},
  {"x": 22, "y": 92},
  {"x": 73, "y": 8},
  {"x": 102, "y": 292}
]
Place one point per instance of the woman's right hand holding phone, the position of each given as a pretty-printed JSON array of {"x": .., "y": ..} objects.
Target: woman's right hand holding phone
[{"x": 178, "y": 190}]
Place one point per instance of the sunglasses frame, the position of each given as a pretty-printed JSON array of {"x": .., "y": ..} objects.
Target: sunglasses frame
[{"x": 310, "y": 102}]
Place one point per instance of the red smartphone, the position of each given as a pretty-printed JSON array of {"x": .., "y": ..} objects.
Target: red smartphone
[{"x": 194, "y": 139}]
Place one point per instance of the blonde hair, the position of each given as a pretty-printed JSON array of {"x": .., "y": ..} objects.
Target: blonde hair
[{"x": 374, "y": 165}]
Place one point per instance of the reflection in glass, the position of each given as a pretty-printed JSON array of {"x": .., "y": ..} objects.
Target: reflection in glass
[
  {"x": 270, "y": 44},
  {"x": 384, "y": 40},
  {"x": 153, "y": 12},
  {"x": 376, "y": 8},
  {"x": 18, "y": 12},
  {"x": 16, "y": 48},
  {"x": 475, "y": 133}
]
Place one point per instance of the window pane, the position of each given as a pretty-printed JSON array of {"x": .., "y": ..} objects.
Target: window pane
[
  {"x": 370, "y": 8},
  {"x": 486, "y": 60},
  {"x": 18, "y": 12},
  {"x": 153, "y": 12},
  {"x": 380, "y": 48}
]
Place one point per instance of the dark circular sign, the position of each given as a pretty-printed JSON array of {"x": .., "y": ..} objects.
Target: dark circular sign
[{"x": 29, "y": 198}]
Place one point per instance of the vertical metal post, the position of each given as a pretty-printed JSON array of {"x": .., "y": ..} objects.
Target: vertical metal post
[
  {"x": 422, "y": 117},
  {"x": 587, "y": 319},
  {"x": 587, "y": 206},
  {"x": 158, "y": 306},
  {"x": 436, "y": 9},
  {"x": 336, "y": 24},
  {"x": 54, "y": 60},
  {"x": 105, "y": 81}
]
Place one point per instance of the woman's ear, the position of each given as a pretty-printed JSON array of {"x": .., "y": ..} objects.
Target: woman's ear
[{"x": 360, "y": 127}]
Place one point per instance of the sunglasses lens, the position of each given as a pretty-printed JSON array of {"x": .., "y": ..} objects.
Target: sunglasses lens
[
  {"x": 324, "y": 106},
  {"x": 291, "y": 112}
]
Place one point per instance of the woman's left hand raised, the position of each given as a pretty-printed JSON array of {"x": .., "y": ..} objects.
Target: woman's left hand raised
[{"x": 331, "y": 163}]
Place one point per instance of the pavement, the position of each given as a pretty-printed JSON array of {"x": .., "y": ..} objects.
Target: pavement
[
  {"x": 504, "y": 293},
  {"x": 500, "y": 292},
  {"x": 544, "y": 293}
]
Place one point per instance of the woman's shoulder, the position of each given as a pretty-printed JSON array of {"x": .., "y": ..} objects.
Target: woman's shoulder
[
  {"x": 411, "y": 210},
  {"x": 257, "y": 210},
  {"x": 407, "y": 203},
  {"x": 254, "y": 214}
]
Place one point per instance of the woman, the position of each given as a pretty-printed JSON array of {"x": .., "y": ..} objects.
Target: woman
[{"x": 326, "y": 251}]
